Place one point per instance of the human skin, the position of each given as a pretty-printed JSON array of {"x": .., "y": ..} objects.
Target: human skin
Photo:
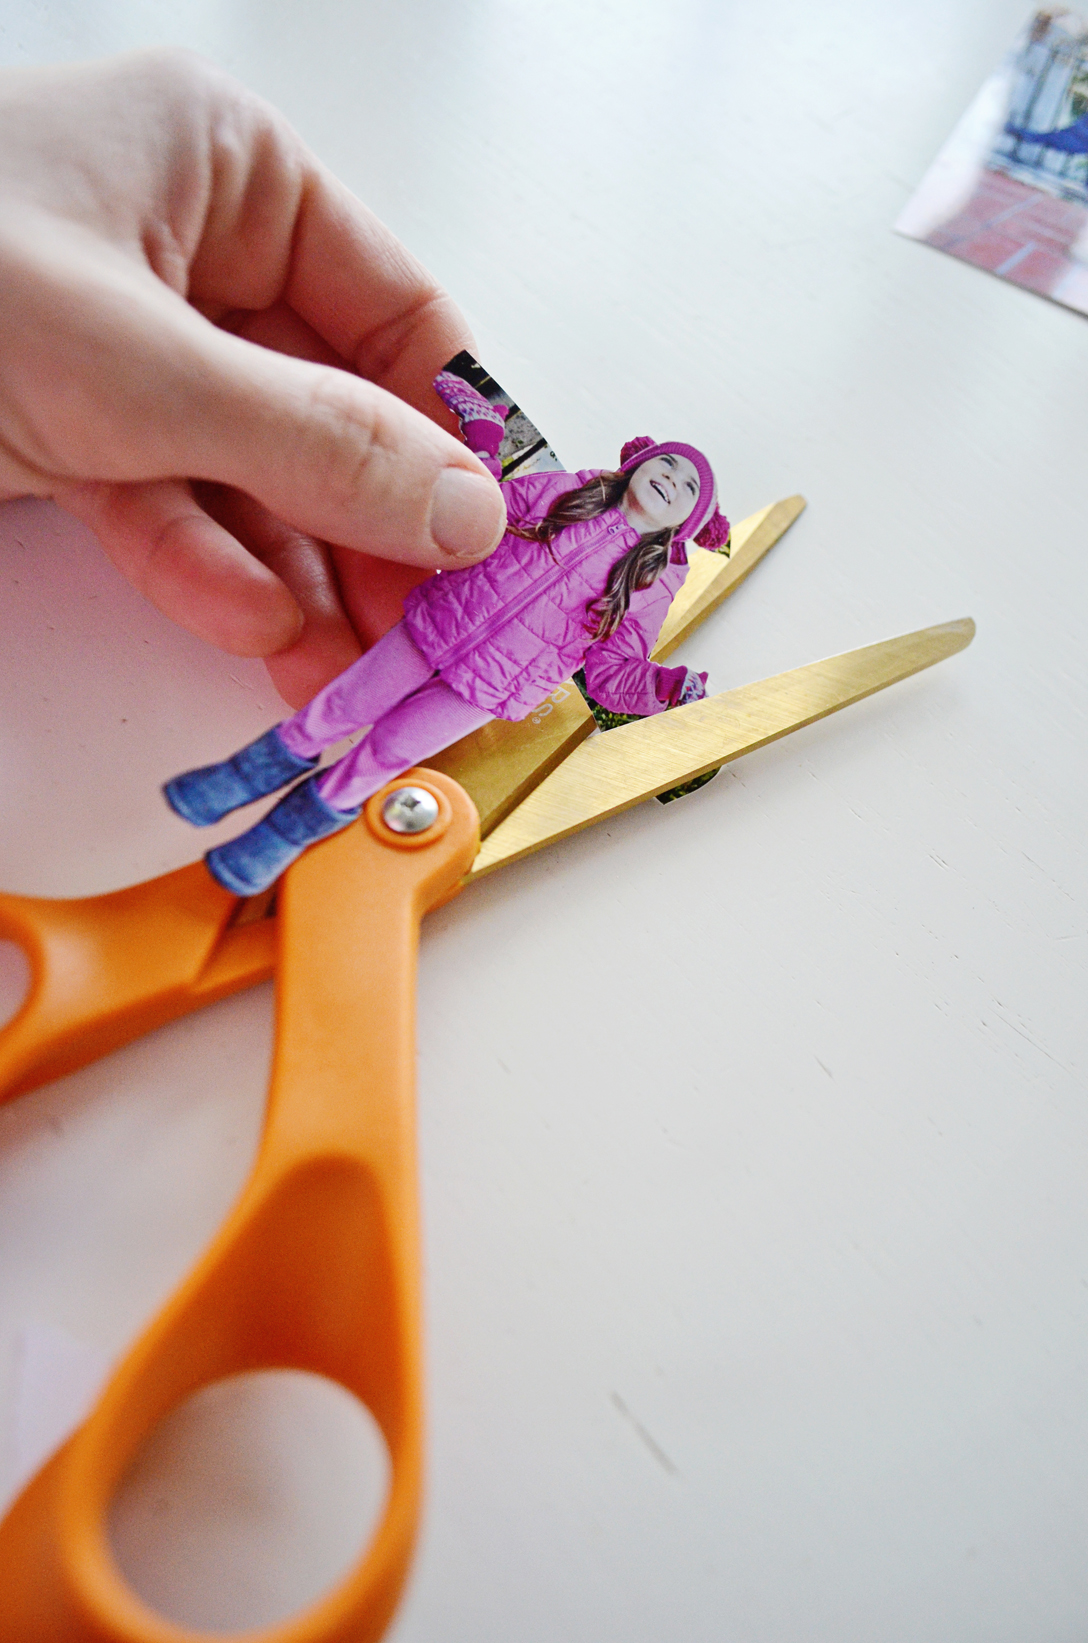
[
  {"x": 218, "y": 358},
  {"x": 661, "y": 493}
]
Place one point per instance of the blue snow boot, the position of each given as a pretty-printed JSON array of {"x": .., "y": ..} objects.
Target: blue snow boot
[
  {"x": 207, "y": 795},
  {"x": 1067, "y": 139},
  {"x": 254, "y": 860}
]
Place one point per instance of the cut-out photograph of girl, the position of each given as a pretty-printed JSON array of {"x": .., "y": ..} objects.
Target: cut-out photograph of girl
[
  {"x": 582, "y": 579},
  {"x": 1009, "y": 190}
]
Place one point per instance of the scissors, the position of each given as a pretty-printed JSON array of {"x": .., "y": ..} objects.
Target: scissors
[{"x": 317, "y": 1267}]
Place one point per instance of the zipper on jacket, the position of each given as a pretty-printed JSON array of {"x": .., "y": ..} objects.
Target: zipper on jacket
[{"x": 514, "y": 609}]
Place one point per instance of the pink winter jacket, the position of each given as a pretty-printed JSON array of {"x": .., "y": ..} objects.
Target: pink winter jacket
[{"x": 506, "y": 632}]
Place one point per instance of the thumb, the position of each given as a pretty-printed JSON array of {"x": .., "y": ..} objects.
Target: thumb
[{"x": 338, "y": 457}]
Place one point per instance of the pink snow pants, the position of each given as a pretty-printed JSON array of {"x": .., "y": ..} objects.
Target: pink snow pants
[{"x": 412, "y": 713}]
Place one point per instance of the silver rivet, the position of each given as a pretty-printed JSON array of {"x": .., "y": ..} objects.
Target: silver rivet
[{"x": 410, "y": 810}]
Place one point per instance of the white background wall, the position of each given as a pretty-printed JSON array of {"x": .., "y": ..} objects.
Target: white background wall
[{"x": 753, "y": 1128}]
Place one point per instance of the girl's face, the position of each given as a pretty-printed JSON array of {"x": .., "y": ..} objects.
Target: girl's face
[{"x": 662, "y": 492}]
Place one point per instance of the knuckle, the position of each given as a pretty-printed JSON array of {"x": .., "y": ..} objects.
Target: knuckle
[
  {"x": 174, "y": 69},
  {"x": 194, "y": 88}
]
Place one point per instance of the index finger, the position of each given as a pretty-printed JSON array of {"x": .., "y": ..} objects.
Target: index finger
[
  {"x": 357, "y": 285},
  {"x": 279, "y": 227}
]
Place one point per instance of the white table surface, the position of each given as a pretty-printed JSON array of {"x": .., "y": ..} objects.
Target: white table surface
[{"x": 753, "y": 1128}]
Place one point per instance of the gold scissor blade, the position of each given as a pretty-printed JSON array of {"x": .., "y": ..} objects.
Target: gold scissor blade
[
  {"x": 620, "y": 768},
  {"x": 500, "y": 764},
  {"x": 712, "y": 578}
]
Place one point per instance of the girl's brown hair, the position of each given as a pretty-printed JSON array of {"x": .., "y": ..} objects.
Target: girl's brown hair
[{"x": 638, "y": 568}]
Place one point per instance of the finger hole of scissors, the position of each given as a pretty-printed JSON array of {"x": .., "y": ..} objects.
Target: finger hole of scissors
[
  {"x": 14, "y": 980},
  {"x": 250, "y": 1500}
]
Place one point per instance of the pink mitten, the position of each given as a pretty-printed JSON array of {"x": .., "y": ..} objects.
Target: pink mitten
[
  {"x": 676, "y": 686},
  {"x": 482, "y": 423},
  {"x": 693, "y": 689}
]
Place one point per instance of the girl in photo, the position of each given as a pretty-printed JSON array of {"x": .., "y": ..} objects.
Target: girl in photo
[{"x": 583, "y": 577}]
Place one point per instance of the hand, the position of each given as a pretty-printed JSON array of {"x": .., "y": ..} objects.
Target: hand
[{"x": 187, "y": 295}]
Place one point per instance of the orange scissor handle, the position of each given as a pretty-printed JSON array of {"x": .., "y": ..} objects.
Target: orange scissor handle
[
  {"x": 317, "y": 1267},
  {"x": 107, "y": 969}
]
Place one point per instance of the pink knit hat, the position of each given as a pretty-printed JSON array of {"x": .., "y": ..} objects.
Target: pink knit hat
[{"x": 706, "y": 522}]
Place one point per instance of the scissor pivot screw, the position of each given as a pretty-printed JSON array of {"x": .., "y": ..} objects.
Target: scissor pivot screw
[{"x": 410, "y": 810}]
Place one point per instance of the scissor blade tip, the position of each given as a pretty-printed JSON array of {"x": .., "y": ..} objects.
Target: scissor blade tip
[{"x": 964, "y": 629}]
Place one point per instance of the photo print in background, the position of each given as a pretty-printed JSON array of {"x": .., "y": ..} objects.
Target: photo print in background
[{"x": 1008, "y": 192}]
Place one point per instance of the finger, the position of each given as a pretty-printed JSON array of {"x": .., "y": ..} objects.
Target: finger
[
  {"x": 373, "y": 591},
  {"x": 280, "y": 328},
  {"x": 327, "y": 644},
  {"x": 153, "y": 390},
  {"x": 187, "y": 565},
  {"x": 224, "y": 202},
  {"x": 146, "y": 388},
  {"x": 336, "y": 456},
  {"x": 284, "y": 331},
  {"x": 360, "y": 289},
  {"x": 282, "y": 230},
  {"x": 280, "y": 227}
]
